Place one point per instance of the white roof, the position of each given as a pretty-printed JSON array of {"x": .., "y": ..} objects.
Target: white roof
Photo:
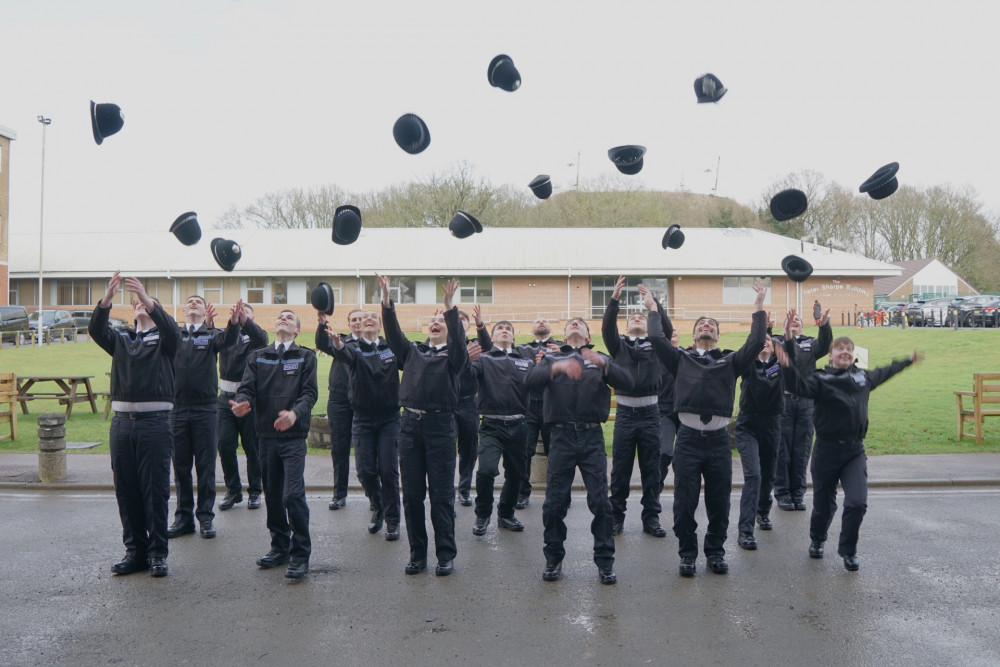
[{"x": 435, "y": 252}]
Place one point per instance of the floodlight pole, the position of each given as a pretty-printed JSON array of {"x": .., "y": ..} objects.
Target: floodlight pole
[{"x": 41, "y": 221}]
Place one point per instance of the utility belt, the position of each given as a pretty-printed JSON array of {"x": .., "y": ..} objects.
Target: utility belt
[{"x": 142, "y": 415}]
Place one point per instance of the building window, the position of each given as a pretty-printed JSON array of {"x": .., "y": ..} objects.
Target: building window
[
  {"x": 334, "y": 283},
  {"x": 73, "y": 292},
  {"x": 602, "y": 288},
  {"x": 279, "y": 291},
  {"x": 255, "y": 290},
  {"x": 12, "y": 297},
  {"x": 471, "y": 290},
  {"x": 401, "y": 290},
  {"x": 212, "y": 290},
  {"x": 738, "y": 290}
]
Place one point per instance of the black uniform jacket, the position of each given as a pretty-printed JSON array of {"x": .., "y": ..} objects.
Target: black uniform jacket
[
  {"x": 233, "y": 360},
  {"x": 272, "y": 384},
  {"x": 761, "y": 391},
  {"x": 142, "y": 363},
  {"x": 636, "y": 355},
  {"x": 374, "y": 376},
  {"x": 340, "y": 373},
  {"x": 809, "y": 350},
  {"x": 195, "y": 369},
  {"x": 587, "y": 399},
  {"x": 501, "y": 377}
]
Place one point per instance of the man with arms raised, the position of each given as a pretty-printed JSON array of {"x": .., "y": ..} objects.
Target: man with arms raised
[{"x": 534, "y": 421}]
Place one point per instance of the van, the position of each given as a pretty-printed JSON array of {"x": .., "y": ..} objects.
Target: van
[{"x": 13, "y": 318}]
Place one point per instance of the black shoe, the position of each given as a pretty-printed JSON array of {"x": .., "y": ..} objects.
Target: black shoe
[
  {"x": 254, "y": 502},
  {"x": 851, "y": 563},
  {"x": 653, "y": 527},
  {"x": 479, "y": 527},
  {"x": 607, "y": 575},
  {"x": 815, "y": 549},
  {"x": 232, "y": 498},
  {"x": 130, "y": 565},
  {"x": 337, "y": 503},
  {"x": 207, "y": 530},
  {"x": 521, "y": 504},
  {"x": 464, "y": 500},
  {"x": 617, "y": 526},
  {"x": 444, "y": 568},
  {"x": 391, "y": 532},
  {"x": 688, "y": 567},
  {"x": 747, "y": 541},
  {"x": 510, "y": 524},
  {"x": 718, "y": 564},
  {"x": 178, "y": 528},
  {"x": 764, "y": 521},
  {"x": 416, "y": 566},
  {"x": 297, "y": 569},
  {"x": 800, "y": 505},
  {"x": 375, "y": 524},
  {"x": 273, "y": 558},
  {"x": 157, "y": 567},
  {"x": 552, "y": 572},
  {"x": 785, "y": 504}
]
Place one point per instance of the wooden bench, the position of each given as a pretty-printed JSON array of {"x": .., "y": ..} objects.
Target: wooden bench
[
  {"x": 985, "y": 397},
  {"x": 106, "y": 395},
  {"x": 8, "y": 404}
]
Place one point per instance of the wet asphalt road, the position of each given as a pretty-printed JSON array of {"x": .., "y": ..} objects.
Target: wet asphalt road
[{"x": 928, "y": 593}]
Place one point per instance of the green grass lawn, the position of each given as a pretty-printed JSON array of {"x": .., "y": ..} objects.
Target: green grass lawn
[{"x": 914, "y": 413}]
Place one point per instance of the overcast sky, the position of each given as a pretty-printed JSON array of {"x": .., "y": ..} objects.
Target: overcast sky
[{"x": 226, "y": 100}]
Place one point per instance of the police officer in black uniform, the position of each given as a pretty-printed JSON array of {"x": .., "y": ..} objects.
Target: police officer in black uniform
[
  {"x": 535, "y": 421},
  {"x": 503, "y": 402},
  {"x": 280, "y": 379},
  {"x": 703, "y": 398},
  {"x": 668, "y": 418},
  {"x": 466, "y": 417},
  {"x": 233, "y": 429},
  {"x": 577, "y": 400},
  {"x": 194, "y": 420},
  {"x": 637, "y": 420},
  {"x": 841, "y": 393},
  {"x": 797, "y": 419},
  {"x": 374, "y": 395},
  {"x": 428, "y": 394},
  {"x": 758, "y": 432},
  {"x": 142, "y": 394},
  {"x": 338, "y": 407}
]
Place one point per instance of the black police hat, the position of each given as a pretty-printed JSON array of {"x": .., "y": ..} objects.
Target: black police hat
[
  {"x": 411, "y": 133},
  {"x": 503, "y": 74},
  {"x": 628, "y": 159},
  {"x": 788, "y": 204},
  {"x": 882, "y": 183},
  {"x": 322, "y": 298},
  {"x": 797, "y": 268},
  {"x": 708, "y": 88},
  {"x": 346, "y": 224},
  {"x": 186, "y": 228},
  {"x": 105, "y": 120},
  {"x": 226, "y": 253},
  {"x": 541, "y": 185},
  {"x": 464, "y": 225},
  {"x": 674, "y": 238}
]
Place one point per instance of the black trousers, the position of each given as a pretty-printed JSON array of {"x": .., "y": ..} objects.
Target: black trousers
[
  {"x": 571, "y": 449},
  {"x": 232, "y": 430},
  {"x": 757, "y": 438},
  {"x": 195, "y": 442},
  {"x": 427, "y": 465},
  {"x": 467, "y": 420},
  {"x": 376, "y": 459},
  {"x": 499, "y": 439},
  {"x": 285, "y": 495},
  {"x": 796, "y": 443},
  {"x": 637, "y": 430},
  {"x": 668, "y": 434},
  {"x": 702, "y": 455},
  {"x": 843, "y": 462},
  {"x": 340, "y": 415},
  {"x": 140, "y": 463},
  {"x": 536, "y": 426}
]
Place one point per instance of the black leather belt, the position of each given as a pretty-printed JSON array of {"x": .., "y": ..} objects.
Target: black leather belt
[
  {"x": 228, "y": 394},
  {"x": 577, "y": 426},
  {"x": 505, "y": 422},
  {"x": 142, "y": 415}
]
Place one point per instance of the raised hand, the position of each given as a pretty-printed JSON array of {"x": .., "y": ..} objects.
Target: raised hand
[
  {"x": 571, "y": 368},
  {"x": 475, "y": 350},
  {"x": 619, "y": 284},
  {"x": 477, "y": 313},
  {"x": 761, "y": 291},
  {"x": 133, "y": 284},
  {"x": 334, "y": 336},
  {"x": 647, "y": 299},
  {"x": 450, "y": 288},
  {"x": 113, "y": 287},
  {"x": 209, "y": 315},
  {"x": 383, "y": 283},
  {"x": 783, "y": 360},
  {"x": 825, "y": 319}
]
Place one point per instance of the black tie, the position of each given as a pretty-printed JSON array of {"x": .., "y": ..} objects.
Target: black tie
[
  {"x": 281, "y": 349},
  {"x": 706, "y": 418}
]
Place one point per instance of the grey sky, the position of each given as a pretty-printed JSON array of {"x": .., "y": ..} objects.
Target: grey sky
[{"x": 225, "y": 100}]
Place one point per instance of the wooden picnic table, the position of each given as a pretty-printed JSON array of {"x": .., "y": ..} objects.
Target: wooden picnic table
[{"x": 71, "y": 389}]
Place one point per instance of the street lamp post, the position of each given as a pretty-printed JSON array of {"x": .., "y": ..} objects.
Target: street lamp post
[{"x": 41, "y": 222}]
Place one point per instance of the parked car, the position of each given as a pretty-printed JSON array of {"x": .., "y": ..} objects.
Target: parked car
[
  {"x": 894, "y": 309},
  {"x": 13, "y": 318},
  {"x": 931, "y": 313},
  {"x": 979, "y": 311},
  {"x": 54, "y": 319},
  {"x": 81, "y": 318},
  {"x": 910, "y": 312}
]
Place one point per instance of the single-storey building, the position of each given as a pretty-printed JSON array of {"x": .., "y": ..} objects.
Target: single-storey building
[
  {"x": 514, "y": 274},
  {"x": 921, "y": 279}
]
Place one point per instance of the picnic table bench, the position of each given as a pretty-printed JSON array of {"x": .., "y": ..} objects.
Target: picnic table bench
[
  {"x": 985, "y": 397},
  {"x": 68, "y": 390}
]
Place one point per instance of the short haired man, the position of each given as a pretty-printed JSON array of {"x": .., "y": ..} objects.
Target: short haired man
[
  {"x": 577, "y": 400},
  {"x": 704, "y": 393},
  {"x": 466, "y": 417},
  {"x": 534, "y": 420},
  {"x": 374, "y": 394},
  {"x": 142, "y": 395},
  {"x": 233, "y": 429},
  {"x": 281, "y": 381},
  {"x": 841, "y": 393},
  {"x": 428, "y": 393},
  {"x": 195, "y": 422}
]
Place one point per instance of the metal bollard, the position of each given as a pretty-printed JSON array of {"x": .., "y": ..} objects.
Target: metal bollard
[
  {"x": 52, "y": 447},
  {"x": 539, "y": 465}
]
